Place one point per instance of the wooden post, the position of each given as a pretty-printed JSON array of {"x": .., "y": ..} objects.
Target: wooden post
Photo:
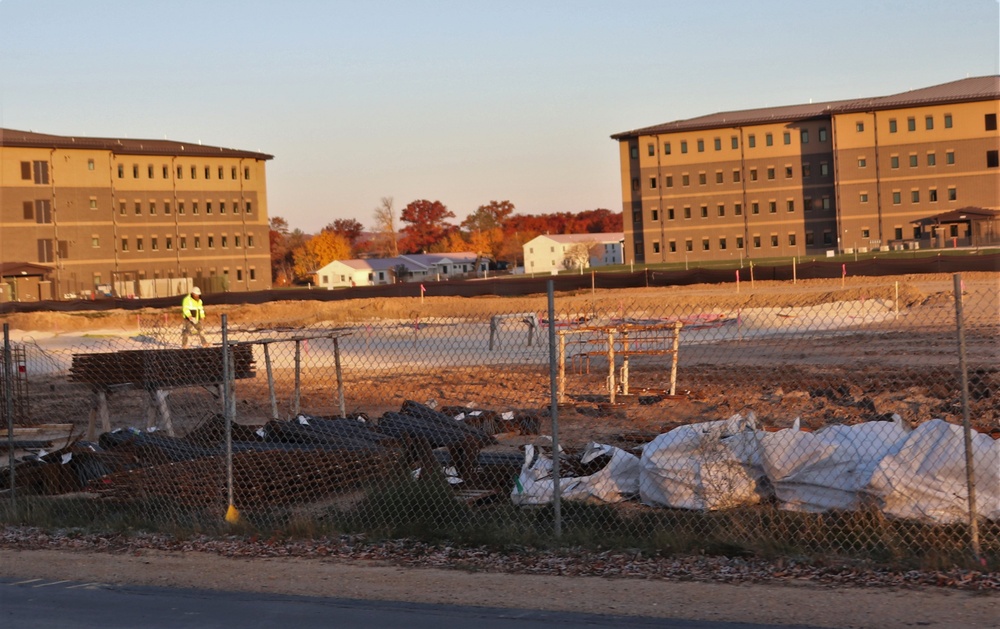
[
  {"x": 160, "y": 398},
  {"x": 624, "y": 376},
  {"x": 340, "y": 377},
  {"x": 270, "y": 381},
  {"x": 562, "y": 367},
  {"x": 493, "y": 330},
  {"x": 297, "y": 395},
  {"x": 611, "y": 366},
  {"x": 673, "y": 363}
]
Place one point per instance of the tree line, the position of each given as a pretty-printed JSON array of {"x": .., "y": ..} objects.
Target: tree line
[{"x": 495, "y": 230}]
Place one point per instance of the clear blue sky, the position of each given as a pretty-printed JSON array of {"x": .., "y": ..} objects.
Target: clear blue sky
[{"x": 465, "y": 101}]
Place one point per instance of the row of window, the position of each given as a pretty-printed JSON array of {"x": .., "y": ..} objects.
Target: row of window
[
  {"x": 165, "y": 171},
  {"x": 990, "y": 124},
  {"x": 734, "y": 142},
  {"x": 914, "y": 160},
  {"x": 210, "y": 207},
  {"x": 38, "y": 171},
  {"x": 932, "y": 195},
  {"x": 251, "y": 274},
  {"x": 182, "y": 242},
  {"x": 737, "y": 209},
  {"x": 770, "y": 173}
]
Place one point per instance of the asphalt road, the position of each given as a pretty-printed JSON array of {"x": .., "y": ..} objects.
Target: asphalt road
[{"x": 39, "y": 603}]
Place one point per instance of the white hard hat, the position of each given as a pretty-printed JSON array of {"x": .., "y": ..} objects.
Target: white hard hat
[{"x": 195, "y": 291}]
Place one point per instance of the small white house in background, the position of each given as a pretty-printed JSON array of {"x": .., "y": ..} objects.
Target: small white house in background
[
  {"x": 561, "y": 252},
  {"x": 422, "y": 267}
]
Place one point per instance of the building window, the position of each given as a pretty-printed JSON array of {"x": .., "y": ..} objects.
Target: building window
[
  {"x": 863, "y": 197},
  {"x": 169, "y": 243},
  {"x": 717, "y": 144},
  {"x": 928, "y": 122},
  {"x": 124, "y": 244},
  {"x": 194, "y": 172},
  {"x": 222, "y": 207},
  {"x": 654, "y": 215},
  {"x": 774, "y": 240},
  {"x": 248, "y": 207},
  {"x": 952, "y": 193},
  {"x": 651, "y": 149},
  {"x": 992, "y": 159},
  {"x": 756, "y": 242},
  {"x": 45, "y": 251},
  {"x": 786, "y": 137},
  {"x": 805, "y": 136},
  {"x": 770, "y": 172},
  {"x": 810, "y": 239},
  {"x": 768, "y": 139},
  {"x": 652, "y": 182},
  {"x": 668, "y": 181},
  {"x": 121, "y": 208},
  {"x": 90, "y": 164},
  {"x": 914, "y": 196},
  {"x": 859, "y": 127},
  {"x": 806, "y": 170},
  {"x": 635, "y": 183},
  {"x": 772, "y": 207},
  {"x": 949, "y": 157},
  {"x": 138, "y": 244},
  {"x": 236, "y": 243},
  {"x": 121, "y": 171},
  {"x": 149, "y": 171},
  {"x": 656, "y": 246},
  {"x": 826, "y": 203},
  {"x": 738, "y": 209},
  {"x": 701, "y": 146},
  {"x": 93, "y": 203},
  {"x": 790, "y": 205},
  {"x": 734, "y": 142},
  {"x": 253, "y": 274},
  {"x": 721, "y": 209},
  {"x": 166, "y": 207},
  {"x": 753, "y": 174},
  {"x": 672, "y": 246},
  {"x": 991, "y": 122},
  {"x": 688, "y": 245},
  {"x": 739, "y": 242},
  {"x": 947, "y": 121},
  {"x": 827, "y": 237},
  {"x": 166, "y": 172},
  {"x": 222, "y": 171},
  {"x": 736, "y": 176},
  {"x": 704, "y": 244},
  {"x": 913, "y": 161},
  {"x": 684, "y": 146},
  {"x": 702, "y": 179},
  {"x": 634, "y": 152},
  {"x": 894, "y": 161},
  {"x": 897, "y": 198},
  {"x": 866, "y": 233},
  {"x": 154, "y": 243},
  {"x": 755, "y": 208},
  {"x": 194, "y": 207},
  {"x": 704, "y": 211},
  {"x": 184, "y": 242},
  {"x": 932, "y": 195},
  {"x": 862, "y": 162},
  {"x": 911, "y": 124},
  {"x": 197, "y": 242},
  {"x": 135, "y": 171},
  {"x": 687, "y": 211},
  {"x": 180, "y": 172},
  {"x": 931, "y": 159},
  {"x": 789, "y": 173},
  {"x": 822, "y": 134},
  {"x": 892, "y": 125},
  {"x": 208, "y": 172},
  {"x": 685, "y": 180},
  {"x": 138, "y": 208},
  {"x": 249, "y": 241},
  {"x": 791, "y": 240},
  {"x": 807, "y": 203},
  {"x": 751, "y": 140},
  {"x": 211, "y": 242},
  {"x": 95, "y": 242},
  {"x": 718, "y": 176},
  {"x": 824, "y": 169},
  {"x": 722, "y": 242}
]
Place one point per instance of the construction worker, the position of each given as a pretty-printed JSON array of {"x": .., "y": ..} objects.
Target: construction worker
[{"x": 193, "y": 311}]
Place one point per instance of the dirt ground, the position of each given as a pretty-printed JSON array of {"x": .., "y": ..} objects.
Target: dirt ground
[{"x": 910, "y": 372}]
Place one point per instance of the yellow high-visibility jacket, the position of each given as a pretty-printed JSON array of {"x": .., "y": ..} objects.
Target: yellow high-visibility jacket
[{"x": 193, "y": 308}]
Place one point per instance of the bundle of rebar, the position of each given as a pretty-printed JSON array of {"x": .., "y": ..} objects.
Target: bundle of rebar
[{"x": 159, "y": 368}]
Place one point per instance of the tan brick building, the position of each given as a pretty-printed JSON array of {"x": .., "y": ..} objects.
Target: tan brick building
[
  {"x": 137, "y": 215},
  {"x": 855, "y": 175}
]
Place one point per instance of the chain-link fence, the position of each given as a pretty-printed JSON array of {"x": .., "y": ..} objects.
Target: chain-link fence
[{"x": 862, "y": 421}]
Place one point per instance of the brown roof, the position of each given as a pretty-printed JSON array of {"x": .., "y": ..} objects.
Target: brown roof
[
  {"x": 29, "y": 139},
  {"x": 961, "y": 214},
  {"x": 8, "y": 269},
  {"x": 964, "y": 90}
]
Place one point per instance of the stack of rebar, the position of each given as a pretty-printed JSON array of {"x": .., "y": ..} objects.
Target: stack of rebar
[{"x": 160, "y": 368}]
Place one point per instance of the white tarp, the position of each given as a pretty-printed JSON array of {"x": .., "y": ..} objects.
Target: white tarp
[
  {"x": 709, "y": 465},
  {"x": 926, "y": 479},
  {"x": 615, "y": 482},
  {"x": 831, "y": 468}
]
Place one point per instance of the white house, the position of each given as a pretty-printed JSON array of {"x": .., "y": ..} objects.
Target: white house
[
  {"x": 560, "y": 252},
  {"x": 418, "y": 268}
]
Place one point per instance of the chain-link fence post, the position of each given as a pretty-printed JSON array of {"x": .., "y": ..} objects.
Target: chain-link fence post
[
  {"x": 227, "y": 410},
  {"x": 970, "y": 473},
  {"x": 8, "y": 407},
  {"x": 554, "y": 411}
]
